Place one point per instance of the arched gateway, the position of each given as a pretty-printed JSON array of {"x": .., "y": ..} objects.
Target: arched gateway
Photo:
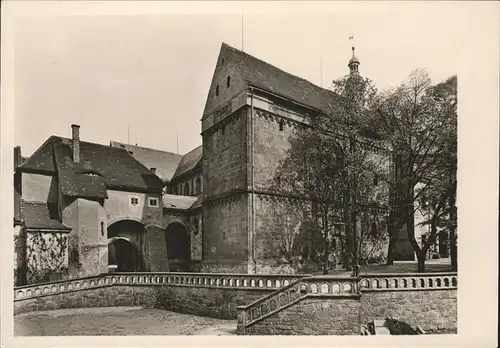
[
  {"x": 178, "y": 247},
  {"x": 125, "y": 245}
]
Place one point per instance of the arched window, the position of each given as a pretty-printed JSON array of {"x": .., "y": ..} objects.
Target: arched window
[
  {"x": 228, "y": 81},
  {"x": 186, "y": 189},
  {"x": 198, "y": 185}
]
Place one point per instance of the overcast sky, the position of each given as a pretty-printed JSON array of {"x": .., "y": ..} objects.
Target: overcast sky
[{"x": 152, "y": 72}]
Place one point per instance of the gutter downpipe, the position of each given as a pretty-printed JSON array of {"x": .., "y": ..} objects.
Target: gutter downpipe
[{"x": 253, "y": 177}]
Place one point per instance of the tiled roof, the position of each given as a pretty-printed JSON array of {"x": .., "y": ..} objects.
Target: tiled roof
[
  {"x": 100, "y": 167},
  {"x": 178, "y": 202},
  {"x": 260, "y": 74},
  {"x": 165, "y": 162},
  {"x": 189, "y": 161},
  {"x": 39, "y": 215},
  {"x": 198, "y": 203}
]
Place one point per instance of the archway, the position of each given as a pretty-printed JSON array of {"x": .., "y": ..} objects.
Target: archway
[
  {"x": 124, "y": 255},
  {"x": 178, "y": 247},
  {"x": 125, "y": 245}
]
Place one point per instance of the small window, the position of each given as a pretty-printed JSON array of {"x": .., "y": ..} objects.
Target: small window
[
  {"x": 375, "y": 180},
  {"x": 153, "y": 170},
  {"x": 122, "y": 146},
  {"x": 223, "y": 130},
  {"x": 228, "y": 81},
  {"x": 131, "y": 152},
  {"x": 282, "y": 125},
  {"x": 102, "y": 228},
  {"x": 195, "y": 226},
  {"x": 222, "y": 61},
  {"x": 134, "y": 201},
  {"x": 153, "y": 201},
  {"x": 217, "y": 90},
  {"x": 186, "y": 189},
  {"x": 373, "y": 229}
]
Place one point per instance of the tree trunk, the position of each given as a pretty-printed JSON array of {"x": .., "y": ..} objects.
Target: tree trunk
[
  {"x": 325, "y": 264},
  {"x": 421, "y": 260}
]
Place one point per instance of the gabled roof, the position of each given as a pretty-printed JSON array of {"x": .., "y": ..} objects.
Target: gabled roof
[
  {"x": 100, "y": 167},
  {"x": 189, "y": 161},
  {"x": 41, "y": 216},
  {"x": 267, "y": 77},
  {"x": 165, "y": 162}
]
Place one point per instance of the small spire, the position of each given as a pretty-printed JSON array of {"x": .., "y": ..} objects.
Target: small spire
[{"x": 353, "y": 63}]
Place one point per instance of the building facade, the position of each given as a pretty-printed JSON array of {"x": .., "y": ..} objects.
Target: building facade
[{"x": 211, "y": 209}]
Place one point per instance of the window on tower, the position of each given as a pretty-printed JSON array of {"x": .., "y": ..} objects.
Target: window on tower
[
  {"x": 282, "y": 125},
  {"x": 228, "y": 81},
  {"x": 217, "y": 90}
]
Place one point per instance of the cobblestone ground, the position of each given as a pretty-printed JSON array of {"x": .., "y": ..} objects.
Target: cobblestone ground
[{"x": 117, "y": 321}]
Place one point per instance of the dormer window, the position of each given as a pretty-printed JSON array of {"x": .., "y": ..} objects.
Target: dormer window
[
  {"x": 217, "y": 90},
  {"x": 153, "y": 170},
  {"x": 228, "y": 81},
  {"x": 131, "y": 152}
]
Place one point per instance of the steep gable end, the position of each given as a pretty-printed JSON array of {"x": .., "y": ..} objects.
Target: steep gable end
[
  {"x": 42, "y": 161},
  {"x": 227, "y": 81}
]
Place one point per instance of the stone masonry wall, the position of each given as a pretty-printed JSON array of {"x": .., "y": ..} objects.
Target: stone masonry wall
[
  {"x": 206, "y": 301},
  {"x": 108, "y": 296},
  {"x": 313, "y": 316},
  {"x": 225, "y": 238},
  {"x": 431, "y": 309},
  {"x": 224, "y": 155}
]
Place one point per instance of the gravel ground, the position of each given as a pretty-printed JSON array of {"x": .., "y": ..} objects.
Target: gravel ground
[{"x": 110, "y": 321}]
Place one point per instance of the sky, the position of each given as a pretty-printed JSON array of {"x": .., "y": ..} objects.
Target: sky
[{"x": 143, "y": 78}]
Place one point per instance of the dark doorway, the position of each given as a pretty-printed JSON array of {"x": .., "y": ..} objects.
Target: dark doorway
[
  {"x": 178, "y": 247},
  {"x": 444, "y": 244},
  {"x": 124, "y": 255},
  {"x": 126, "y": 238}
]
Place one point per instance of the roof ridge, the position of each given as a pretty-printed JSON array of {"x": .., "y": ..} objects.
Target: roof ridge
[
  {"x": 144, "y": 147},
  {"x": 274, "y": 66}
]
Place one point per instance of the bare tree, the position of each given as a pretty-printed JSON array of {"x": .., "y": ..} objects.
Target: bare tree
[{"x": 419, "y": 120}]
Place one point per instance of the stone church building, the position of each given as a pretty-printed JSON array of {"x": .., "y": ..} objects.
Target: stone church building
[{"x": 83, "y": 208}]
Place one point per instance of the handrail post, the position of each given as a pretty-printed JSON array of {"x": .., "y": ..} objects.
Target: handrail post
[{"x": 242, "y": 320}]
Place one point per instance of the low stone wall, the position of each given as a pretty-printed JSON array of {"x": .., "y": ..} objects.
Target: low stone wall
[
  {"x": 105, "y": 296},
  {"x": 339, "y": 306},
  {"x": 428, "y": 301},
  {"x": 313, "y": 316},
  {"x": 210, "y": 302},
  {"x": 215, "y": 295}
]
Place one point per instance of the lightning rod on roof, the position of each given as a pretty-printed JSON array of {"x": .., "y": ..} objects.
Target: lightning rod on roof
[
  {"x": 177, "y": 134},
  {"x": 128, "y": 134},
  {"x": 242, "y": 33},
  {"x": 321, "y": 70}
]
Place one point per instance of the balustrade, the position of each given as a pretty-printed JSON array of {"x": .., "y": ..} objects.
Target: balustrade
[
  {"x": 223, "y": 280},
  {"x": 424, "y": 281}
]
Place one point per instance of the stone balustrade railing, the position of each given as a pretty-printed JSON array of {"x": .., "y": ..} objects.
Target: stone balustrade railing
[
  {"x": 331, "y": 286},
  {"x": 407, "y": 281},
  {"x": 215, "y": 280},
  {"x": 308, "y": 286}
]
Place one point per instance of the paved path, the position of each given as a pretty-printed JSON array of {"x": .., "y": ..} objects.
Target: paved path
[{"x": 118, "y": 321}]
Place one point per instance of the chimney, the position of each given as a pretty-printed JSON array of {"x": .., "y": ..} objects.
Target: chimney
[
  {"x": 76, "y": 142},
  {"x": 17, "y": 157}
]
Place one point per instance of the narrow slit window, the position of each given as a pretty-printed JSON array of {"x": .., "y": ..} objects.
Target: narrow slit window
[
  {"x": 217, "y": 90},
  {"x": 228, "y": 81},
  {"x": 282, "y": 125},
  {"x": 375, "y": 180}
]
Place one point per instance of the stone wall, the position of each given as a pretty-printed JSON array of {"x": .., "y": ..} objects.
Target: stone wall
[
  {"x": 107, "y": 296},
  {"x": 215, "y": 295},
  {"x": 313, "y": 316},
  {"x": 225, "y": 236},
  {"x": 433, "y": 310},
  {"x": 206, "y": 301}
]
